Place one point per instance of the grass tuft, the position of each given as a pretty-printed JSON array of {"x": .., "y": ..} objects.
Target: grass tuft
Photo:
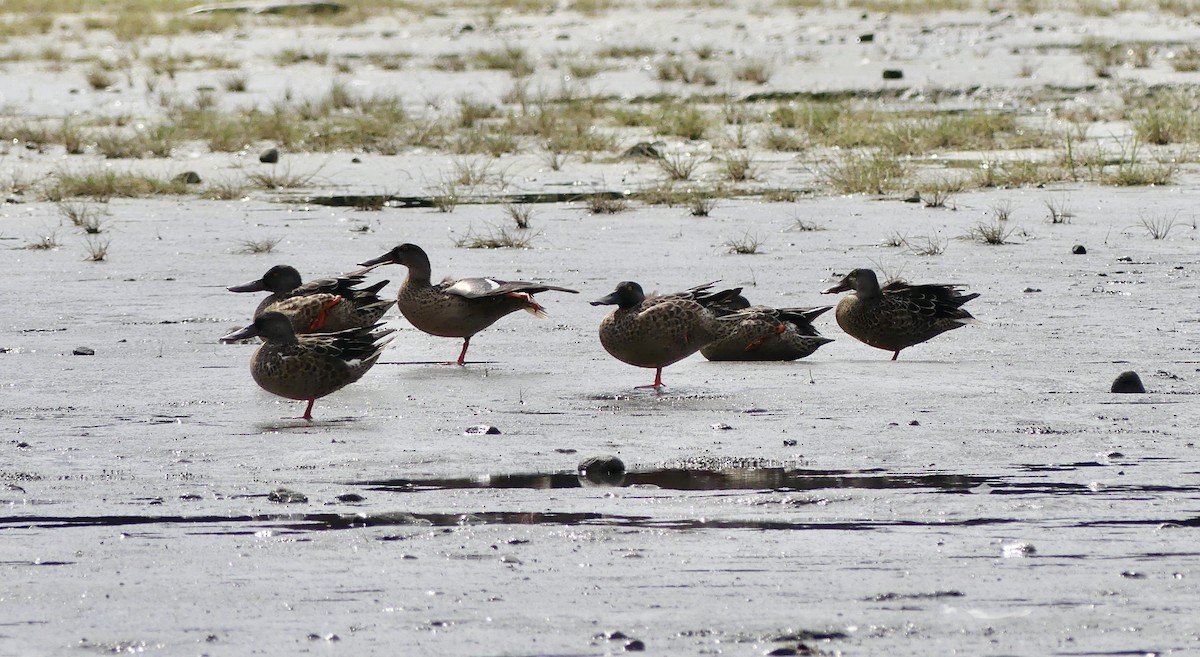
[
  {"x": 258, "y": 247},
  {"x": 1160, "y": 226},
  {"x": 495, "y": 239},
  {"x": 745, "y": 245}
]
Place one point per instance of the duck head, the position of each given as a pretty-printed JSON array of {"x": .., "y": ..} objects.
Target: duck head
[{"x": 627, "y": 295}]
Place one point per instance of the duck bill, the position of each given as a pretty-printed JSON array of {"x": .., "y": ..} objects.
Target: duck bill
[
  {"x": 252, "y": 286},
  {"x": 613, "y": 299},
  {"x": 241, "y": 334},
  {"x": 375, "y": 262},
  {"x": 840, "y": 287}
]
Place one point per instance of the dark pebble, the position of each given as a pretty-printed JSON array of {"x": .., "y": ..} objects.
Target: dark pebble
[
  {"x": 1079, "y": 249},
  {"x": 721, "y": 426},
  {"x": 481, "y": 429},
  {"x": 350, "y": 497},
  {"x": 269, "y": 156},
  {"x": 914, "y": 423},
  {"x": 356, "y": 160},
  {"x": 1128, "y": 382},
  {"x": 189, "y": 178},
  {"x": 789, "y": 442},
  {"x": 605, "y": 470},
  {"x": 780, "y": 652},
  {"x": 635, "y": 646},
  {"x": 866, "y": 38},
  {"x": 287, "y": 496},
  {"x": 1030, "y": 290},
  {"x": 617, "y": 636},
  {"x": 1130, "y": 574},
  {"x": 84, "y": 351},
  {"x": 893, "y": 74}
]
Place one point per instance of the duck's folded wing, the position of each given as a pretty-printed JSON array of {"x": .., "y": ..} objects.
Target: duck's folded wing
[{"x": 476, "y": 288}]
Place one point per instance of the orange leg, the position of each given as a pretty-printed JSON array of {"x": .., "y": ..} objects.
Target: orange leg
[
  {"x": 323, "y": 314},
  {"x": 308, "y": 411},
  {"x": 657, "y": 380},
  {"x": 462, "y": 355}
]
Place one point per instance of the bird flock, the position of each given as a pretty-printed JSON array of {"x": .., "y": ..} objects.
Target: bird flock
[{"x": 321, "y": 336}]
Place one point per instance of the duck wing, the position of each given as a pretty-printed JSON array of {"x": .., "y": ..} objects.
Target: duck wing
[{"x": 478, "y": 288}]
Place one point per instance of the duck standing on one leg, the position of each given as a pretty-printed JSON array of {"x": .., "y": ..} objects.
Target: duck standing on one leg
[
  {"x": 324, "y": 305},
  {"x": 308, "y": 367},
  {"x": 898, "y": 315},
  {"x": 765, "y": 333},
  {"x": 457, "y": 308},
  {"x": 657, "y": 331}
]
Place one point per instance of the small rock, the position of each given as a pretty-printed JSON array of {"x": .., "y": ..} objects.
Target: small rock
[
  {"x": 914, "y": 423},
  {"x": 1018, "y": 550},
  {"x": 866, "y": 38},
  {"x": 893, "y": 74},
  {"x": 356, "y": 160},
  {"x": 617, "y": 636},
  {"x": 603, "y": 470},
  {"x": 1079, "y": 249},
  {"x": 783, "y": 652},
  {"x": 84, "y": 351},
  {"x": 789, "y": 442},
  {"x": 269, "y": 156},
  {"x": 635, "y": 646},
  {"x": 189, "y": 178},
  {"x": 287, "y": 496},
  {"x": 350, "y": 497},
  {"x": 721, "y": 426},
  {"x": 1128, "y": 382},
  {"x": 1130, "y": 574},
  {"x": 1031, "y": 290},
  {"x": 481, "y": 429}
]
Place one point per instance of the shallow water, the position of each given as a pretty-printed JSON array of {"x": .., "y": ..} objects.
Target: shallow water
[{"x": 984, "y": 494}]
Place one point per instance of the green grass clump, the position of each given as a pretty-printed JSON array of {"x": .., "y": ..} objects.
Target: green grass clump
[
  {"x": 101, "y": 183},
  {"x": 866, "y": 173}
]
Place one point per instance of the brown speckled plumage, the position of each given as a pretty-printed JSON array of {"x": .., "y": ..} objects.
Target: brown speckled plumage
[
  {"x": 898, "y": 315},
  {"x": 457, "y": 308},
  {"x": 657, "y": 331},
  {"x": 765, "y": 333},
  {"x": 325, "y": 305},
  {"x": 308, "y": 367}
]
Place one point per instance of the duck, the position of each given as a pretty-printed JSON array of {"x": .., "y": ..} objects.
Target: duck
[
  {"x": 457, "y": 308},
  {"x": 657, "y": 331},
  {"x": 324, "y": 305},
  {"x": 307, "y": 367},
  {"x": 765, "y": 333},
  {"x": 898, "y": 315}
]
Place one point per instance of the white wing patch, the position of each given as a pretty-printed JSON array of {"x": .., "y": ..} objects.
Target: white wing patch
[{"x": 473, "y": 287}]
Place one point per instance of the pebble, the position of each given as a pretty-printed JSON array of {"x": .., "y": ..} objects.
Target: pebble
[
  {"x": 189, "y": 178},
  {"x": 1128, "y": 382},
  {"x": 635, "y": 646},
  {"x": 350, "y": 497},
  {"x": 893, "y": 74},
  {"x": 1079, "y": 249},
  {"x": 721, "y": 426},
  {"x": 1018, "y": 550},
  {"x": 605, "y": 470},
  {"x": 269, "y": 156},
  {"x": 789, "y": 442},
  {"x": 84, "y": 351},
  {"x": 287, "y": 496},
  {"x": 481, "y": 429}
]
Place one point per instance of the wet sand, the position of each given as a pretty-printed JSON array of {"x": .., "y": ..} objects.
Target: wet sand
[{"x": 855, "y": 505}]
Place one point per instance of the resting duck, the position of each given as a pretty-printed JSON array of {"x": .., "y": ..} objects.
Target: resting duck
[
  {"x": 898, "y": 315},
  {"x": 657, "y": 331},
  {"x": 457, "y": 308},
  {"x": 308, "y": 367},
  {"x": 765, "y": 333},
  {"x": 325, "y": 305}
]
